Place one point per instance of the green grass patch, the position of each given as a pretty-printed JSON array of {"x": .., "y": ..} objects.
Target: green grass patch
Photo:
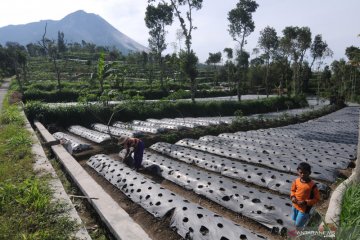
[
  {"x": 26, "y": 208},
  {"x": 350, "y": 217}
]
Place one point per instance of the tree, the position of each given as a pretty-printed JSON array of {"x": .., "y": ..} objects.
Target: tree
[
  {"x": 34, "y": 50},
  {"x": 186, "y": 24},
  {"x": 256, "y": 73},
  {"x": 173, "y": 66},
  {"x": 17, "y": 57},
  {"x": 51, "y": 49},
  {"x": 319, "y": 50},
  {"x": 326, "y": 77},
  {"x": 229, "y": 53},
  {"x": 269, "y": 43},
  {"x": 295, "y": 42},
  {"x": 341, "y": 71},
  {"x": 61, "y": 45},
  {"x": 179, "y": 37},
  {"x": 242, "y": 66},
  {"x": 156, "y": 18},
  {"x": 353, "y": 54},
  {"x": 103, "y": 71},
  {"x": 188, "y": 64},
  {"x": 241, "y": 26},
  {"x": 214, "y": 58}
]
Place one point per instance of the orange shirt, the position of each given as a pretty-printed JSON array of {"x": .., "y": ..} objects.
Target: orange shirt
[{"x": 301, "y": 191}]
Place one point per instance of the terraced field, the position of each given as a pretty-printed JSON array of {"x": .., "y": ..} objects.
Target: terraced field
[{"x": 245, "y": 173}]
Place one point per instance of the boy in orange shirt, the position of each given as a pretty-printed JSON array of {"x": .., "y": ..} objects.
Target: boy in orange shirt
[{"x": 304, "y": 194}]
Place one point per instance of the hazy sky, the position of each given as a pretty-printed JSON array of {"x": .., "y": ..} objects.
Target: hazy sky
[{"x": 337, "y": 21}]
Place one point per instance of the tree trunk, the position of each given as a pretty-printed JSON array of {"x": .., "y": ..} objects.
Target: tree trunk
[
  {"x": 238, "y": 90},
  {"x": 57, "y": 73},
  {"x": 193, "y": 89},
  {"x": 266, "y": 78},
  {"x": 240, "y": 74}
]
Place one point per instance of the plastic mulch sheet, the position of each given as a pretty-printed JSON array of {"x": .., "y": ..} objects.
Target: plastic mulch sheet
[{"x": 190, "y": 220}]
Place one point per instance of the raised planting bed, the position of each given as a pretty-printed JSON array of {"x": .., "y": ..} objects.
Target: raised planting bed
[
  {"x": 271, "y": 210},
  {"x": 260, "y": 176},
  {"x": 190, "y": 220}
]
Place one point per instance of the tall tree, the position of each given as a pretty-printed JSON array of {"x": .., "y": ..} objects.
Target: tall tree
[
  {"x": 229, "y": 65},
  {"x": 183, "y": 11},
  {"x": 214, "y": 58},
  {"x": 241, "y": 25},
  {"x": 229, "y": 53},
  {"x": 61, "y": 45},
  {"x": 319, "y": 50},
  {"x": 353, "y": 54},
  {"x": 269, "y": 43},
  {"x": 296, "y": 41},
  {"x": 103, "y": 71},
  {"x": 179, "y": 37},
  {"x": 326, "y": 77},
  {"x": 156, "y": 18},
  {"x": 51, "y": 49},
  {"x": 17, "y": 56},
  {"x": 242, "y": 66},
  {"x": 338, "y": 80}
]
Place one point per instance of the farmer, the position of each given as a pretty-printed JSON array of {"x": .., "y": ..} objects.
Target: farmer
[
  {"x": 133, "y": 145},
  {"x": 304, "y": 194}
]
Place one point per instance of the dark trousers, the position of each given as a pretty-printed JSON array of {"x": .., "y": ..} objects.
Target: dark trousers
[{"x": 138, "y": 154}]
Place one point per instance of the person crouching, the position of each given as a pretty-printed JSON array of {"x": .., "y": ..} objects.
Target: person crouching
[{"x": 133, "y": 145}]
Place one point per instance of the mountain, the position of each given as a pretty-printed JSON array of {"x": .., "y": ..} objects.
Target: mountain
[{"x": 76, "y": 27}]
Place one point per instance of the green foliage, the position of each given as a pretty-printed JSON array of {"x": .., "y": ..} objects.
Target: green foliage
[
  {"x": 180, "y": 94},
  {"x": 351, "y": 206},
  {"x": 11, "y": 116},
  {"x": 138, "y": 109},
  {"x": 188, "y": 62},
  {"x": 19, "y": 140},
  {"x": 349, "y": 218},
  {"x": 26, "y": 209},
  {"x": 156, "y": 18},
  {"x": 64, "y": 95}
]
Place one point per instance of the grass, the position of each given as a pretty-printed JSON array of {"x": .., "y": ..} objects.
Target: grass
[
  {"x": 350, "y": 217},
  {"x": 27, "y": 210},
  {"x": 96, "y": 228}
]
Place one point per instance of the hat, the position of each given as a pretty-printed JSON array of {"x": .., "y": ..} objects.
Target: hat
[{"x": 122, "y": 140}]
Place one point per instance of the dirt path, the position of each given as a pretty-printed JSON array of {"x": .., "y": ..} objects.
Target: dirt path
[{"x": 3, "y": 90}]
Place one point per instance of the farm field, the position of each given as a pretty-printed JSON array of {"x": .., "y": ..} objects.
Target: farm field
[
  {"x": 224, "y": 111},
  {"x": 241, "y": 178}
]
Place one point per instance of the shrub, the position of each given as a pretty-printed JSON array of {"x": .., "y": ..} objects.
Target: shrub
[{"x": 85, "y": 114}]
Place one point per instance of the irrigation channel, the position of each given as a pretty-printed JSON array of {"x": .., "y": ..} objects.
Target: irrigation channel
[{"x": 230, "y": 186}]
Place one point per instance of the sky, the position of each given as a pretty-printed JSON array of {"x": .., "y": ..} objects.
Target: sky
[{"x": 337, "y": 21}]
